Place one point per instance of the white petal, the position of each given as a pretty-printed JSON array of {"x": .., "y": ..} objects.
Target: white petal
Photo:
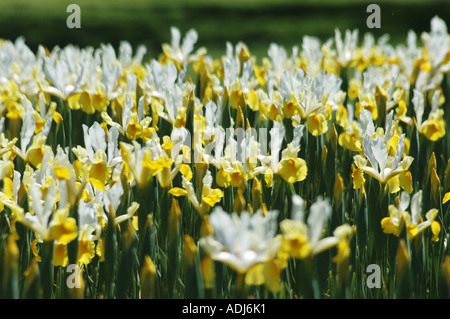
[
  {"x": 320, "y": 211},
  {"x": 399, "y": 152},
  {"x": 416, "y": 207}
]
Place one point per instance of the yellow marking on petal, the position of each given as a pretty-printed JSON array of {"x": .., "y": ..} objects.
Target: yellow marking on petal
[
  {"x": 61, "y": 172},
  {"x": 39, "y": 123},
  {"x": 274, "y": 114},
  {"x": 134, "y": 131},
  {"x": 34, "y": 156}
]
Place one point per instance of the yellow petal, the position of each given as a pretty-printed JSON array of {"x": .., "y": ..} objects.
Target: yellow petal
[
  {"x": 99, "y": 175},
  {"x": 350, "y": 142},
  {"x": 446, "y": 198},
  {"x": 394, "y": 184},
  {"x": 317, "y": 124},
  {"x": 223, "y": 178},
  {"x": 293, "y": 170},
  {"x": 411, "y": 231},
  {"x": 434, "y": 129},
  {"x": 342, "y": 117},
  {"x": 272, "y": 270},
  {"x": 255, "y": 276},
  {"x": 213, "y": 198},
  {"x": 252, "y": 100},
  {"x": 35, "y": 250},
  {"x": 358, "y": 178},
  {"x": 8, "y": 187},
  {"x": 343, "y": 253},
  {"x": 60, "y": 257},
  {"x": 86, "y": 251},
  {"x": 268, "y": 177},
  {"x": 208, "y": 273},
  {"x": 177, "y": 191},
  {"x": 100, "y": 249},
  {"x": 435, "y": 229},
  {"x": 186, "y": 171},
  {"x": 35, "y": 155},
  {"x": 61, "y": 172},
  {"x": 405, "y": 179},
  {"x": 64, "y": 232},
  {"x": 387, "y": 225}
]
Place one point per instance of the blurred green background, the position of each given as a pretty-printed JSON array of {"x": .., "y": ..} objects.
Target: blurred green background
[{"x": 255, "y": 22}]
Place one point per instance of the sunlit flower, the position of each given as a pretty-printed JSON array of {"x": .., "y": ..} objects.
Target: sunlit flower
[
  {"x": 242, "y": 241},
  {"x": 182, "y": 53},
  {"x": 302, "y": 240}
]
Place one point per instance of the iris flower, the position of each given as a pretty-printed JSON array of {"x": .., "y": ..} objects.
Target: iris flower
[
  {"x": 242, "y": 241},
  {"x": 399, "y": 217},
  {"x": 303, "y": 240}
]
